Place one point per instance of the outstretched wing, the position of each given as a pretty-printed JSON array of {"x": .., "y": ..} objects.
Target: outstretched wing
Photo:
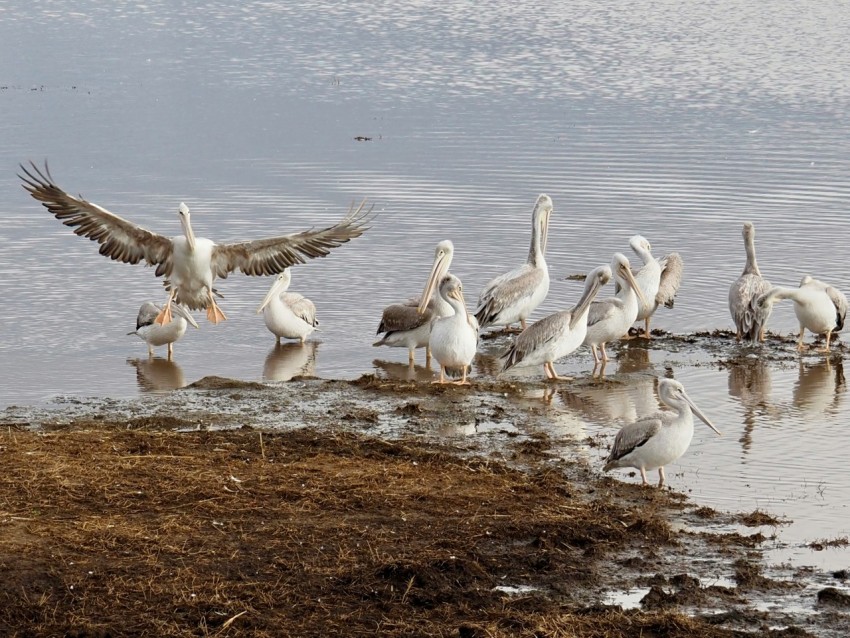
[
  {"x": 672, "y": 266},
  {"x": 119, "y": 239},
  {"x": 273, "y": 255},
  {"x": 840, "y": 302}
]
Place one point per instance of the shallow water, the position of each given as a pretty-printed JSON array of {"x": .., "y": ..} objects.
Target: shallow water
[{"x": 678, "y": 123}]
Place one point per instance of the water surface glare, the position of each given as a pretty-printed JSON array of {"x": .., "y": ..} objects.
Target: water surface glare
[{"x": 677, "y": 121}]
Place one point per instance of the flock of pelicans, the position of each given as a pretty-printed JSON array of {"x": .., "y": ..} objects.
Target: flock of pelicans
[{"x": 439, "y": 320}]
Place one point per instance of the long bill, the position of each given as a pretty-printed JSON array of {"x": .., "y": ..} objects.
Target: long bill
[
  {"x": 438, "y": 271},
  {"x": 273, "y": 292},
  {"x": 187, "y": 226},
  {"x": 627, "y": 273},
  {"x": 180, "y": 310},
  {"x": 544, "y": 240},
  {"x": 585, "y": 301},
  {"x": 699, "y": 413}
]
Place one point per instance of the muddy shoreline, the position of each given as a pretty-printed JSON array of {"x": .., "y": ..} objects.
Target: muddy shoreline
[{"x": 327, "y": 507}]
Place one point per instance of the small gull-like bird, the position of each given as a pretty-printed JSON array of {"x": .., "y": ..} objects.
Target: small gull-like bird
[
  {"x": 610, "y": 319},
  {"x": 513, "y": 296},
  {"x": 750, "y": 318},
  {"x": 819, "y": 307},
  {"x": 557, "y": 335},
  {"x": 155, "y": 334},
  {"x": 403, "y": 326},
  {"x": 454, "y": 339},
  {"x": 189, "y": 264},
  {"x": 659, "y": 280},
  {"x": 658, "y": 440},
  {"x": 288, "y": 314}
]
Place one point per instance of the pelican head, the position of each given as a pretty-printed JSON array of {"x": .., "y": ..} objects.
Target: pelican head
[
  {"x": 452, "y": 288},
  {"x": 183, "y": 211},
  {"x": 597, "y": 278},
  {"x": 807, "y": 279},
  {"x": 640, "y": 243},
  {"x": 621, "y": 269},
  {"x": 281, "y": 283},
  {"x": 749, "y": 232},
  {"x": 443, "y": 255},
  {"x": 540, "y": 219},
  {"x": 180, "y": 310},
  {"x": 673, "y": 394}
]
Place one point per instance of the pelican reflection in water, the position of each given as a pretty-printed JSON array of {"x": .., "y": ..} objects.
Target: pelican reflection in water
[
  {"x": 655, "y": 441},
  {"x": 157, "y": 374},
  {"x": 189, "y": 264},
  {"x": 287, "y": 360}
]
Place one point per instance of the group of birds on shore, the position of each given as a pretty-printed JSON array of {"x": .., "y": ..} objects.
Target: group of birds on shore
[{"x": 439, "y": 320}]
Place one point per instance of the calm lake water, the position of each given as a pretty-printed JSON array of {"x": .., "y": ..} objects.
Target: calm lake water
[{"x": 675, "y": 120}]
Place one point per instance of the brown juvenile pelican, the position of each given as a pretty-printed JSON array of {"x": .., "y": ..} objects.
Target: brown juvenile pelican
[
  {"x": 655, "y": 441},
  {"x": 557, "y": 335},
  {"x": 750, "y": 318},
  {"x": 819, "y": 307},
  {"x": 454, "y": 338},
  {"x": 155, "y": 334},
  {"x": 190, "y": 264},
  {"x": 513, "y": 296},
  {"x": 659, "y": 279},
  {"x": 288, "y": 314},
  {"x": 403, "y": 326}
]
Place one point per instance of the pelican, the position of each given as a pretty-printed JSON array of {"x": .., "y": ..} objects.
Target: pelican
[
  {"x": 403, "y": 325},
  {"x": 158, "y": 335},
  {"x": 659, "y": 279},
  {"x": 190, "y": 264},
  {"x": 454, "y": 339},
  {"x": 559, "y": 334},
  {"x": 819, "y": 307},
  {"x": 750, "y": 318},
  {"x": 609, "y": 319},
  {"x": 655, "y": 441},
  {"x": 514, "y": 296},
  {"x": 288, "y": 314}
]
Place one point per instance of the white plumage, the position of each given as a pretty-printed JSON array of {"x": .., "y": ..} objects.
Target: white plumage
[
  {"x": 288, "y": 314},
  {"x": 156, "y": 335},
  {"x": 454, "y": 339}
]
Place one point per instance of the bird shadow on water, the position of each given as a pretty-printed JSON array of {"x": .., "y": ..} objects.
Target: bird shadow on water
[
  {"x": 398, "y": 371},
  {"x": 157, "y": 374},
  {"x": 287, "y": 360}
]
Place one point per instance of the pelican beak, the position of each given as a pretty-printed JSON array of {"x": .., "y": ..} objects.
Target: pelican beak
[
  {"x": 627, "y": 273},
  {"x": 544, "y": 239},
  {"x": 438, "y": 271},
  {"x": 180, "y": 310},
  {"x": 699, "y": 413},
  {"x": 187, "y": 226},
  {"x": 458, "y": 294},
  {"x": 585, "y": 301},
  {"x": 271, "y": 294}
]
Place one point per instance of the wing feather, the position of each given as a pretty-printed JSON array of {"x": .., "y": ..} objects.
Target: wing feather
[
  {"x": 601, "y": 310},
  {"x": 147, "y": 313},
  {"x": 505, "y": 291},
  {"x": 404, "y": 316},
  {"x": 273, "y": 255},
  {"x": 538, "y": 335},
  {"x": 672, "y": 267},
  {"x": 119, "y": 239},
  {"x": 631, "y": 437},
  {"x": 301, "y": 307}
]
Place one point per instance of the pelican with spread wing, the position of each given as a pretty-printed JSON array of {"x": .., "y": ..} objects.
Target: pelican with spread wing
[
  {"x": 189, "y": 264},
  {"x": 659, "y": 279}
]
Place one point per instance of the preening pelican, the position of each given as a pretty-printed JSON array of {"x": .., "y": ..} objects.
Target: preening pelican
[
  {"x": 655, "y": 441},
  {"x": 159, "y": 335},
  {"x": 557, "y": 335},
  {"x": 659, "y": 279},
  {"x": 288, "y": 314},
  {"x": 750, "y": 318},
  {"x": 403, "y": 325},
  {"x": 190, "y": 264},
  {"x": 819, "y": 307},
  {"x": 609, "y": 319},
  {"x": 513, "y": 296},
  {"x": 454, "y": 339}
]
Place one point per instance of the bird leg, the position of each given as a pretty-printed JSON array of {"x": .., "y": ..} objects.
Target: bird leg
[
  {"x": 800, "y": 340},
  {"x": 604, "y": 354},
  {"x": 661, "y": 477},
  {"x": 740, "y": 335},
  {"x": 410, "y": 357},
  {"x": 826, "y": 348},
  {"x": 428, "y": 357},
  {"x": 595, "y": 354},
  {"x": 164, "y": 316},
  {"x": 214, "y": 313},
  {"x": 150, "y": 351},
  {"x": 761, "y": 333},
  {"x": 463, "y": 380},
  {"x": 643, "y": 476},
  {"x": 522, "y": 323},
  {"x": 552, "y": 375},
  {"x": 442, "y": 376},
  {"x": 170, "y": 351},
  {"x": 646, "y": 333}
]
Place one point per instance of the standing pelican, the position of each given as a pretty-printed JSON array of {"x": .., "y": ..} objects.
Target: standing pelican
[
  {"x": 288, "y": 314},
  {"x": 750, "y": 318},
  {"x": 818, "y": 306},
  {"x": 159, "y": 335},
  {"x": 559, "y": 334},
  {"x": 655, "y": 441},
  {"x": 403, "y": 325},
  {"x": 659, "y": 279},
  {"x": 514, "y": 296},
  {"x": 454, "y": 339},
  {"x": 190, "y": 264},
  {"x": 609, "y": 319}
]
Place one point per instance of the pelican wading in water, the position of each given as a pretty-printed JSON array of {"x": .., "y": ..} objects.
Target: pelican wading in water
[
  {"x": 659, "y": 280},
  {"x": 155, "y": 334},
  {"x": 403, "y": 325},
  {"x": 610, "y": 319},
  {"x": 750, "y": 318},
  {"x": 819, "y": 307},
  {"x": 454, "y": 338},
  {"x": 288, "y": 314},
  {"x": 513, "y": 296},
  {"x": 559, "y": 334},
  {"x": 655, "y": 441},
  {"x": 189, "y": 264}
]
